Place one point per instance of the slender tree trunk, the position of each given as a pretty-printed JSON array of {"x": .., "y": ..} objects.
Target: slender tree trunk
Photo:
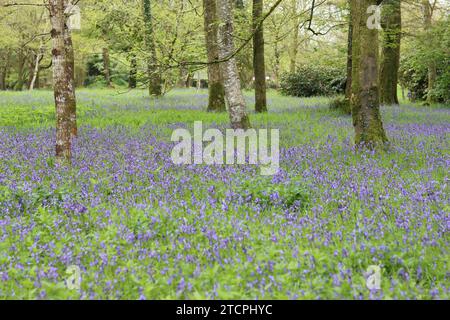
[
  {"x": 244, "y": 58},
  {"x": 369, "y": 129},
  {"x": 132, "y": 81},
  {"x": 348, "y": 86},
  {"x": 37, "y": 61},
  {"x": 70, "y": 77},
  {"x": 216, "y": 99},
  {"x": 182, "y": 77},
  {"x": 432, "y": 72},
  {"x": 2, "y": 79},
  {"x": 294, "y": 51},
  {"x": 21, "y": 58},
  {"x": 154, "y": 76},
  {"x": 63, "y": 62},
  {"x": 259, "y": 64},
  {"x": 31, "y": 65},
  {"x": 294, "y": 48},
  {"x": 4, "y": 66},
  {"x": 235, "y": 99},
  {"x": 106, "y": 67},
  {"x": 390, "y": 56},
  {"x": 277, "y": 55},
  {"x": 199, "y": 81}
]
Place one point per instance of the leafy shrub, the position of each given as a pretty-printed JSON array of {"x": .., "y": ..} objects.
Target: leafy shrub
[
  {"x": 265, "y": 192},
  {"x": 413, "y": 76},
  {"x": 95, "y": 73},
  {"x": 312, "y": 80}
]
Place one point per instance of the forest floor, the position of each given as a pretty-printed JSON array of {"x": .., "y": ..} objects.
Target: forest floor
[{"x": 139, "y": 227}]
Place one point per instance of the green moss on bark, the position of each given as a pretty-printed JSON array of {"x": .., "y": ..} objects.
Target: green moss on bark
[{"x": 216, "y": 100}]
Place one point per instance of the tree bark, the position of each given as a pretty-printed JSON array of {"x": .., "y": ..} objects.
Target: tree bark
[
  {"x": 432, "y": 71},
  {"x": 259, "y": 64},
  {"x": 295, "y": 42},
  {"x": 390, "y": 56},
  {"x": 37, "y": 61},
  {"x": 106, "y": 67},
  {"x": 132, "y": 81},
  {"x": 70, "y": 76},
  {"x": 216, "y": 98},
  {"x": 235, "y": 99},
  {"x": 277, "y": 62},
  {"x": 4, "y": 67},
  {"x": 294, "y": 52},
  {"x": 21, "y": 59},
  {"x": 369, "y": 131},
  {"x": 154, "y": 76},
  {"x": 348, "y": 86},
  {"x": 63, "y": 83}
]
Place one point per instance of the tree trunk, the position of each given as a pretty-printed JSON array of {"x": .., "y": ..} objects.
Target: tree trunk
[
  {"x": 432, "y": 72},
  {"x": 132, "y": 81},
  {"x": 182, "y": 77},
  {"x": 4, "y": 66},
  {"x": 369, "y": 129},
  {"x": 294, "y": 52},
  {"x": 348, "y": 86},
  {"x": 277, "y": 55},
  {"x": 236, "y": 102},
  {"x": 295, "y": 42},
  {"x": 390, "y": 56},
  {"x": 37, "y": 61},
  {"x": 2, "y": 79},
  {"x": 70, "y": 77},
  {"x": 106, "y": 67},
  {"x": 63, "y": 62},
  {"x": 154, "y": 76},
  {"x": 199, "y": 82},
  {"x": 216, "y": 99},
  {"x": 21, "y": 58},
  {"x": 259, "y": 64}
]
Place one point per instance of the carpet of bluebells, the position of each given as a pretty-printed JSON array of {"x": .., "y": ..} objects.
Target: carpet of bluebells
[{"x": 140, "y": 227}]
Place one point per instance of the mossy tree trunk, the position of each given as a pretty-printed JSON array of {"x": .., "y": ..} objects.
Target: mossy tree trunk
[
  {"x": 216, "y": 98},
  {"x": 390, "y": 57},
  {"x": 295, "y": 38},
  {"x": 432, "y": 71},
  {"x": 5, "y": 57},
  {"x": 233, "y": 93},
  {"x": 153, "y": 72},
  {"x": 348, "y": 86},
  {"x": 63, "y": 80},
  {"x": 21, "y": 60},
  {"x": 106, "y": 67},
  {"x": 369, "y": 131},
  {"x": 259, "y": 64},
  {"x": 132, "y": 81},
  {"x": 70, "y": 77}
]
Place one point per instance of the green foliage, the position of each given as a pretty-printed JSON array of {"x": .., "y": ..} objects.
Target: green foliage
[
  {"x": 413, "y": 75},
  {"x": 95, "y": 73},
  {"x": 269, "y": 193},
  {"x": 311, "y": 80},
  {"x": 429, "y": 48}
]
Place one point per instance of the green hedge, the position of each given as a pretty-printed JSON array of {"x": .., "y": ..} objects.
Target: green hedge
[{"x": 312, "y": 80}]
